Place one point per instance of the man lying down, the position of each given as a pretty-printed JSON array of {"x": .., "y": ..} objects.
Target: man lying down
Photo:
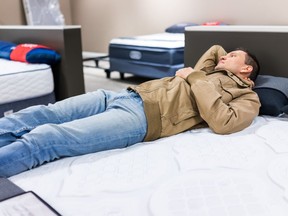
[{"x": 216, "y": 93}]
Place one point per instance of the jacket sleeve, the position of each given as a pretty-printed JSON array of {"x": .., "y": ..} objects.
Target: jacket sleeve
[
  {"x": 224, "y": 118},
  {"x": 210, "y": 59}
]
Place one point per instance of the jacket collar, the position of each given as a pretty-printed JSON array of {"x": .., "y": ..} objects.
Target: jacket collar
[{"x": 237, "y": 79}]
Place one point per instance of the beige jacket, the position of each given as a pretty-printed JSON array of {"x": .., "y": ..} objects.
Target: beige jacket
[{"x": 218, "y": 99}]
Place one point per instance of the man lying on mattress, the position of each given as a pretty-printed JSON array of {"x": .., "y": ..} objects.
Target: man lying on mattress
[{"x": 217, "y": 93}]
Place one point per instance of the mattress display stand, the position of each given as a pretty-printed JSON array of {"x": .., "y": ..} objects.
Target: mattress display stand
[
  {"x": 107, "y": 69},
  {"x": 153, "y": 56},
  {"x": 89, "y": 56}
]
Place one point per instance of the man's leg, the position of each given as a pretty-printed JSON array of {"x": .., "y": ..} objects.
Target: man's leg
[
  {"x": 122, "y": 125},
  {"x": 15, "y": 125}
]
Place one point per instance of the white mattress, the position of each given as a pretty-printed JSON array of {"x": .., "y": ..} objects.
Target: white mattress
[
  {"x": 195, "y": 173},
  {"x": 20, "y": 81},
  {"x": 163, "y": 40}
]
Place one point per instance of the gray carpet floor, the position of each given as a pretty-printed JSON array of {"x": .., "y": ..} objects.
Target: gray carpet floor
[{"x": 95, "y": 78}]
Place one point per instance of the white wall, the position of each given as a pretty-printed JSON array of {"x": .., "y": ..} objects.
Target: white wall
[
  {"x": 243, "y": 11},
  {"x": 103, "y": 20}
]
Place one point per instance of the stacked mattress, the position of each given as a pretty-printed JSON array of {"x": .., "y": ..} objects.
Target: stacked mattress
[
  {"x": 155, "y": 56},
  {"x": 23, "y": 85}
]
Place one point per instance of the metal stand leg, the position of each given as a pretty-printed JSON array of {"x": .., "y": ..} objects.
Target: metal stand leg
[
  {"x": 106, "y": 70},
  {"x": 121, "y": 75},
  {"x": 108, "y": 73}
]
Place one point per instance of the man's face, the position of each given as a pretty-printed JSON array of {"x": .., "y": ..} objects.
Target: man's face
[{"x": 233, "y": 62}]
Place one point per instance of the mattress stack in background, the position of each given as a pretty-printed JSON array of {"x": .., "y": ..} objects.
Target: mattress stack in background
[{"x": 23, "y": 85}]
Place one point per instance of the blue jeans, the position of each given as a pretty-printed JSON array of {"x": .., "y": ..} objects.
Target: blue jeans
[{"x": 88, "y": 123}]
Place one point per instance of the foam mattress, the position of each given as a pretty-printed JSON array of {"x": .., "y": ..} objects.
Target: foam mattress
[
  {"x": 196, "y": 173},
  {"x": 22, "y": 81}
]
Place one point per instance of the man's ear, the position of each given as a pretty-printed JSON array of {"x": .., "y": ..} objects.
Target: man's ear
[{"x": 246, "y": 69}]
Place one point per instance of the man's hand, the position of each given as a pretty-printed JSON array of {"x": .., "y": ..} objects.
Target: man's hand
[{"x": 184, "y": 72}]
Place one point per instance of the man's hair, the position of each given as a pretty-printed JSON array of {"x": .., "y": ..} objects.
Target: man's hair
[{"x": 251, "y": 59}]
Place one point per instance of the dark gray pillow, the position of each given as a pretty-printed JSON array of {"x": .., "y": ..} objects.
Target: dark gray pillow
[{"x": 273, "y": 94}]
